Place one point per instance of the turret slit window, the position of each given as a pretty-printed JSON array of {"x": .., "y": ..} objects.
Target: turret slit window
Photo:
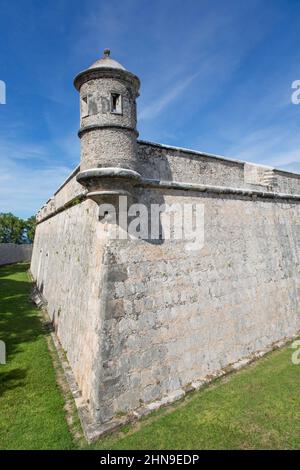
[
  {"x": 84, "y": 107},
  {"x": 116, "y": 103}
]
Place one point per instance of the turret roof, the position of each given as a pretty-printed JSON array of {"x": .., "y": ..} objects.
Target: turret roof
[{"x": 106, "y": 61}]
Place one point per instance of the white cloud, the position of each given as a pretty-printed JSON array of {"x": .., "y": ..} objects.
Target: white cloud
[
  {"x": 272, "y": 146},
  {"x": 153, "y": 109},
  {"x": 24, "y": 188}
]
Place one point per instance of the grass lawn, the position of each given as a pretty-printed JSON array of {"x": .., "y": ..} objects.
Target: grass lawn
[
  {"x": 31, "y": 406},
  {"x": 256, "y": 408}
]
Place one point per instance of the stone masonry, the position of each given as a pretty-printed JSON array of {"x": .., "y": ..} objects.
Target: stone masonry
[{"x": 143, "y": 320}]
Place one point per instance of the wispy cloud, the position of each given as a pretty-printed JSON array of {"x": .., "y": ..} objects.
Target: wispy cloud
[
  {"x": 272, "y": 146},
  {"x": 24, "y": 151},
  {"x": 23, "y": 187},
  {"x": 152, "y": 110}
]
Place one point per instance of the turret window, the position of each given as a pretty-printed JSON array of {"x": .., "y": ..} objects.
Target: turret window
[
  {"x": 84, "y": 107},
  {"x": 116, "y": 103}
]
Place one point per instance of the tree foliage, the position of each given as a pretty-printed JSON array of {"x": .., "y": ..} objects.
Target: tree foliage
[
  {"x": 30, "y": 225},
  {"x": 16, "y": 230}
]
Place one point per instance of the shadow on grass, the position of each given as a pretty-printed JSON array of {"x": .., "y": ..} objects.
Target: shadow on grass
[
  {"x": 12, "y": 379},
  {"x": 19, "y": 322}
]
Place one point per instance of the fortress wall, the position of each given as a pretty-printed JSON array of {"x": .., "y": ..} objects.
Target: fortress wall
[
  {"x": 167, "y": 163},
  {"x": 288, "y": 182},
  {"x": 14, "y": 253},
  {"x": 161, "y": 162},
  {"x": 164, "y": 163},
  {"x": 67, "y": 266},
  {"x": 69, "y": 190},
  {"x": 140, "y": 320},
  {"x": 174, "y": 316}
]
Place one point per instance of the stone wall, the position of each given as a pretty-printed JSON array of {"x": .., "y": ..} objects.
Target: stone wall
[
  {"x": 13, "y": 253},
  {"x": 168, "y": 163},
  {"x": 67, "y": 265},
  {"x": 174, "y": 316},
  {"x": 140, "y": 320}
]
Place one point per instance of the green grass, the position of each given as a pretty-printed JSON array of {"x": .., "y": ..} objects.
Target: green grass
[
  {"x": 256, "y": 408},
  {"x": 31, "y": 405}
]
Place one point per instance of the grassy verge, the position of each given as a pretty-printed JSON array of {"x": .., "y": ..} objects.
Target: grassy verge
[
  {"x": 31, "y": 405},
  {"x": 256, "y": 408}
]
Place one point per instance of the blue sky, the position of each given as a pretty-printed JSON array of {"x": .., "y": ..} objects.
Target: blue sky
[{"x": 216, "y": 76}]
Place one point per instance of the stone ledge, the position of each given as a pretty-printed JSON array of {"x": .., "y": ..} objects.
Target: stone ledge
[
  {"x": 75, "y": 200},
  {"x": 210, "y": 189},
  {"x": 95, "y": 127},
  {"x": 106, "y": 72},
  {"x": 109, "y": 172}
]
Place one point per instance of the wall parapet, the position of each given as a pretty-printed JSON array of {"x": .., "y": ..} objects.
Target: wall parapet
[
  {"x": 164, "y": 162},
  {"x": 213, "y": 156},
  {"x": 167, "y": 167}
]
